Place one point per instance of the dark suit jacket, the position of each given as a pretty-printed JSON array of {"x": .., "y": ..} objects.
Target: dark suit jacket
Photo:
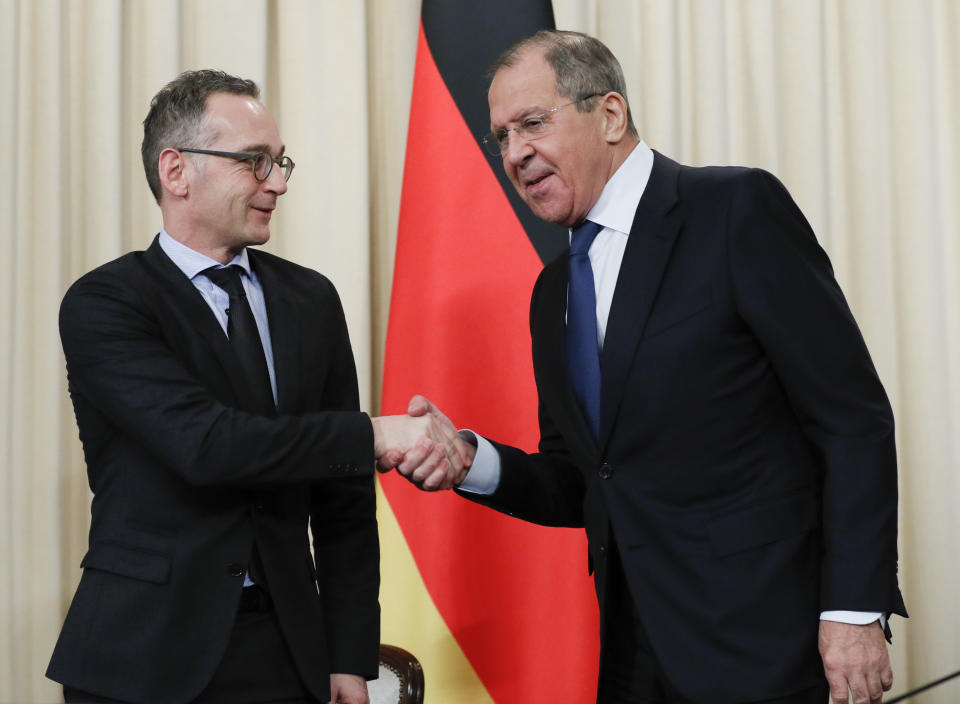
[
  {"x": 746, "y": 468},
  {"x": 185, "y": 482}
]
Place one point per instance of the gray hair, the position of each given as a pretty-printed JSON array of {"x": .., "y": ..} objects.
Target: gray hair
[
  {"x": 177, "y": 116},
  {"x": 583, "y": 66}
]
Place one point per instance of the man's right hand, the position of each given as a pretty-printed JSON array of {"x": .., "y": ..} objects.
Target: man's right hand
[
  {"x": 426, "y": 447},
  {"x": 423, "y": 469}
]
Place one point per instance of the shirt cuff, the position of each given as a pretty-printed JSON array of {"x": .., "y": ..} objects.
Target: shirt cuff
[
  {"x": 854, "y": 618},
  {"x": 484, "y": 474}
]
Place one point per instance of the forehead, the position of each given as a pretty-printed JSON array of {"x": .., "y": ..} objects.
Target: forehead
[
  {"x": 241, "y": 119},
  {"x": 530, "y": 85}
]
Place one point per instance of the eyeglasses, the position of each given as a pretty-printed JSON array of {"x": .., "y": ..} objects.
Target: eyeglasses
[
  {"x": 261, "y": 162},
  {"x": 531, "y": 127}
]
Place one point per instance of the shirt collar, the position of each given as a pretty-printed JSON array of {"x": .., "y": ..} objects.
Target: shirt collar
[
  {"x": 190, "y": 261},
  {"x": 617, "y": 205}
]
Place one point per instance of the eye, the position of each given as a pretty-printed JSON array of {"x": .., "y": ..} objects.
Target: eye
[
  {"x": 500, "y": 136},
  {"x": 533, "y": 125},
  {"x": 261, "y": 163}
]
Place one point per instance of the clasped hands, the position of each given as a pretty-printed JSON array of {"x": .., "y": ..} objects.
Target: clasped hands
[{"x": 423, "y": 445}]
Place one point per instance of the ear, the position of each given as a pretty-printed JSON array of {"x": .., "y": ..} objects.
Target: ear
[
  {"x": 173, "y": 178},
  {"x": 613, "y": 110}
]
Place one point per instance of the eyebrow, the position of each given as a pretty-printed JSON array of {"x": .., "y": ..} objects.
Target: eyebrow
[
  {"x": 253, "y": 148},
  {"x": 521, "y": 115}
]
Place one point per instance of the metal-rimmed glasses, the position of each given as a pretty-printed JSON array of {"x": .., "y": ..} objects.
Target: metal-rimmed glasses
[
  {"x": 261, "y": 162},
  {"x": 529, "y": 128}
]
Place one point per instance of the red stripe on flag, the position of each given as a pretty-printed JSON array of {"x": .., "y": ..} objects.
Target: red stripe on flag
[{"x": 515, "y": 596}]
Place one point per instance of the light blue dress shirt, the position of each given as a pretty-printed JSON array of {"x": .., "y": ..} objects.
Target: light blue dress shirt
[{"x": 193, "y": 263}]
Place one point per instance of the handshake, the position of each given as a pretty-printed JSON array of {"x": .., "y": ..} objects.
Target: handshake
[{"x": 423, "y": 445}]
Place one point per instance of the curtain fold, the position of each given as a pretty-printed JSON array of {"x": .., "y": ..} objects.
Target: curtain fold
[{"x": 853, "y": 104}]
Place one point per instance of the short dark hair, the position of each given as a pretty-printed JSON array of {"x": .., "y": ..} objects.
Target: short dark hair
[
  {"x": 177, "y": 114},
  {"x": 582, "y": 64}
]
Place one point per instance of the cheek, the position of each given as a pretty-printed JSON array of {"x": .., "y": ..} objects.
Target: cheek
[{"x": 576, "y": 175}]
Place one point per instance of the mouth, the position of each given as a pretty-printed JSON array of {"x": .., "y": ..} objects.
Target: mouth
[{"x": 534, "y": 186}]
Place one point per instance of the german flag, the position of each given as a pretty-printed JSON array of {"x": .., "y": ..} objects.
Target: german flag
[{"x": 495, "y": 609}]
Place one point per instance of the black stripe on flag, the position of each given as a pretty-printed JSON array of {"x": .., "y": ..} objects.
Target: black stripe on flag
[{"x": 465, "y": 37}]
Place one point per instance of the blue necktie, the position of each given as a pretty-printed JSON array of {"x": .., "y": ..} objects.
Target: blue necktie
[{"x": 583, "y": 352}]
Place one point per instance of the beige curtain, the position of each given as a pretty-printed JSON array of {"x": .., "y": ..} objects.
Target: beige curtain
[{"x": 854, "y": 104}]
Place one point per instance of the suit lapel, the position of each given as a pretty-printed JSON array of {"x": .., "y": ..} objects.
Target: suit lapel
[
  {"x": 185, "y": 298},
  {"x": 651, "y": 240},
  {"x": 187, "y": 302},
  {"x": 285, "y": 330}
]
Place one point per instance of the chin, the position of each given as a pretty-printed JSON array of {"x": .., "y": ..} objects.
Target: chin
[
  {"x": 551, "y": 210},
  {"x": 256, "y": 240},
  {"x": 551, "y": 215},
  {"x": 260, "y": 235}
]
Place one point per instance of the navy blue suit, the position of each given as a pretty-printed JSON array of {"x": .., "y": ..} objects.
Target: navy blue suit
[{"x": 746, "y": 467}]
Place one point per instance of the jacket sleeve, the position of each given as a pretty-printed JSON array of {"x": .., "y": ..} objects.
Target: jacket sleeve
[{"x": 786, "y": 292}]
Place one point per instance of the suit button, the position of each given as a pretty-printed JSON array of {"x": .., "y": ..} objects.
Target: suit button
[
  {"x": 606, "y": 471},
  {"x": 603, "y": 549},
  {"x": 235, "y": 570}
]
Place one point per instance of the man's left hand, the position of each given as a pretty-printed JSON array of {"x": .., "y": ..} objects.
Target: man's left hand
[
  {"x": 348, "y": 689},
  {"x": 855, "y": 659}
]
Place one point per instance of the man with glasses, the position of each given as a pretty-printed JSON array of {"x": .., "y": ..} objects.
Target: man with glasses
[
  {"x": 708, "y": 409},
  {"x": 216, "y": 396}
]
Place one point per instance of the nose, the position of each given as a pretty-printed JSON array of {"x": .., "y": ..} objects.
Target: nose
[
  {"x": 518, "y": 148},
  {"x": 275, "y": 182}
]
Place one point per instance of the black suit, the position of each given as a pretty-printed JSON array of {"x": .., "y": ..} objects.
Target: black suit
[
  {"x": 185, "y": 482},
  {"x": 746, "y": 467}
]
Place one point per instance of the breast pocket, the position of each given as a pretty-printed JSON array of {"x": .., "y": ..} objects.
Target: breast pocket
[{"x": 673, "y": 313}]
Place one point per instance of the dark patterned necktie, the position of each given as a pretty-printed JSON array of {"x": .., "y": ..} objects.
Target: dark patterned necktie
[
  {"x": 244, "y": 335},
  {"x": 583, "y": 352}
]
